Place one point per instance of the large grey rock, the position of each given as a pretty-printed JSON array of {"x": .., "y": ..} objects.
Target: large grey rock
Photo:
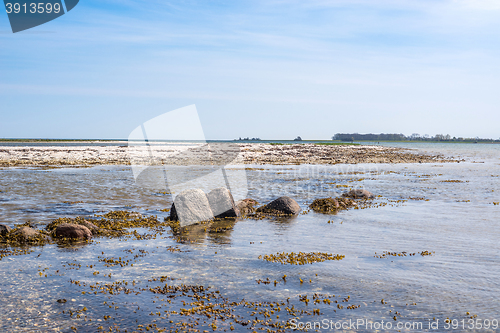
[
  {"x": 4, "y": 229},
  {"x": 222, "y": 203},
  {"x": 246, "y": 206},
  {"x": 72, "y": 231},
  {"x": 281, "y": 206},
  {"x": 359, "y": 194},
  {"x": 191, "y": 207}
]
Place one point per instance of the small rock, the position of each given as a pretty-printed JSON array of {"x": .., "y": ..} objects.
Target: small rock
[
  {"x": 281, "y": 206},
  {"x": 73, "y": 231},
  {"x": 25, "y": 233},
  {"x": 246, "y": 206},
  {"x": 191, "y": 207},
  {"x": 222, "y": 203},
  {"x": 4, "y": 229},
  {"x": 135, "y": 215},
  {"x": 359, "y": 194},
  {"x": 91, "y": 226},
  {"x": 62, "y": 300}
]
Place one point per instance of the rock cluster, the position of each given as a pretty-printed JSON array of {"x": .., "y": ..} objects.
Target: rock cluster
[
  {"x": 332, "y": 205},
  {"x": 194, "y": 206},
  {"x": 189, "y": 207},
  {"x": 74, "y": 229},
  {"x": 23, "y": 234}
]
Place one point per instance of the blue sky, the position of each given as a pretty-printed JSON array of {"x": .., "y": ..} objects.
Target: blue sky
[{"x": 273, "y": 69}]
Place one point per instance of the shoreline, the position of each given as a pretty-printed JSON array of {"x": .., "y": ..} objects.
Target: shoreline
[{"x": 214, "y": 153}]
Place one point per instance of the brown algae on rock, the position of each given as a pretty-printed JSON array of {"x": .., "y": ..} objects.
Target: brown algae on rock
[{"x": 23, "y": 235}]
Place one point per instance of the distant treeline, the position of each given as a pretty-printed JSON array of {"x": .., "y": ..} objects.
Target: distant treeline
[{"x": 348, "y": 137}]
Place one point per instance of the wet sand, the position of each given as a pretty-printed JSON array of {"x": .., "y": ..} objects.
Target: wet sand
[{"x": 215, "y": 153}]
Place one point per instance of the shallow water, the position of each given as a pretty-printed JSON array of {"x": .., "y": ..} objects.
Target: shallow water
[{"x": 417, "y": 211}]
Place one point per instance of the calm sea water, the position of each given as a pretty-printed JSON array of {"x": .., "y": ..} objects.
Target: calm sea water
[{"x": 419, "y": 210}]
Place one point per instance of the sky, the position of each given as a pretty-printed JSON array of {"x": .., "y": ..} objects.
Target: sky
[{"x": 273, "y": 69}]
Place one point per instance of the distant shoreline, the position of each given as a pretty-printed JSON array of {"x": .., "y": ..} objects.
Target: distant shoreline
[{"x": 185, "y": 153}]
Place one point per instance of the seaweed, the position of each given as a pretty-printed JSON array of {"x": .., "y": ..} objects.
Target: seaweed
[
  {"x": 332, "y": 205},
  {"x": 301, "y": 258}
]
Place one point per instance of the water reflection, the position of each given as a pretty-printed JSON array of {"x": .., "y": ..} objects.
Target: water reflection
[
  {"x": 70, "y": 246},
  {"x": 216, "y": 232}
]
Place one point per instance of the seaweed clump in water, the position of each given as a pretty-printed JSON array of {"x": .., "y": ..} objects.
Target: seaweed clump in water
[
  {"x": 387, "y": 254},
  {"x": 301, "y": 258},
  {"x": 332, "y": 205}
]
